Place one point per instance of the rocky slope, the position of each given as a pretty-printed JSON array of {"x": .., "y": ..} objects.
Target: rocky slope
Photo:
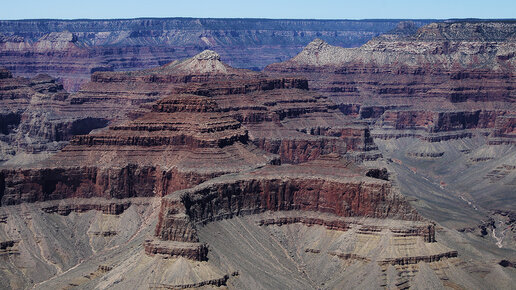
[{"x": 73, "y": 49}]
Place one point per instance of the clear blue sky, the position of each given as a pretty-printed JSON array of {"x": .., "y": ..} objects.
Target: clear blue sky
[{"x": 304, "y": 9}]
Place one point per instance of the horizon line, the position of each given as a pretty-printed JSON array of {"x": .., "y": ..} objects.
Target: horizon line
[{"x": 260, "y": 18}]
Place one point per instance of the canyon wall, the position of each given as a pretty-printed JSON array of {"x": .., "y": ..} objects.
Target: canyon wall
[
  {"x": 72, "y": 49},
  {"x": 436, "y": 82}
]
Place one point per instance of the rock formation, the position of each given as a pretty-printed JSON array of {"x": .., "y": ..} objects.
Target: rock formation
[
  {"x": 461, "y": 75},
  {"x": 209, "y": 120},
  {"x": 275, "y": 125},
  {"x": 328, "y": 185}
]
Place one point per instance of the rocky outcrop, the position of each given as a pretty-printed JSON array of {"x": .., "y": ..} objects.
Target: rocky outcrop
[
  {"x": 506, "y": 263},
  {"x": 337, "y": 225},
  {"x": 426, "y": 232},
  {"x": 349, "y": 256},
  {"x": 9, "y": 247},
  {"x": 192, "y": 251},
  {"x": 417, "y": 259},
  {"x": 106, "y": 207},
  {"x": 504, "y": 130},
  {"x": 219, "y": 282}
]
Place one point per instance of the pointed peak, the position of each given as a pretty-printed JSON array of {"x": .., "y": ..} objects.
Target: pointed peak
[
  {"x": 320, "y": 53},
  {"x": 317, "y": 41},
  {"x": 207, "y": 61},
  {"x": 207, "y": 55},
  {"x": 317, "y": 44}
]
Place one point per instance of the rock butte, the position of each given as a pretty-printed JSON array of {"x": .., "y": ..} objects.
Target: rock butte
[{"x": 197, "y": 174}]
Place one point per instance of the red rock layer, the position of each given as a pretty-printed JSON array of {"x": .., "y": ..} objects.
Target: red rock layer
[
  {"x": 504, "y": 130},
  {"x": 310, "y": 187},
  {"x": 40, "y": 184}
]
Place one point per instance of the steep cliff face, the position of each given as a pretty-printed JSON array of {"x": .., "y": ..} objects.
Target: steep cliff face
[
  {"x": 71, "y": 50},
  {"x": 328, "y": 185},
  {"x": 369, "y": 198},
  {"x": 33, "y": 185}
]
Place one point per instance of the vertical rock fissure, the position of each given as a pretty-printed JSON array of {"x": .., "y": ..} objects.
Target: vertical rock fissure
[{"x": 2, "y": 187}]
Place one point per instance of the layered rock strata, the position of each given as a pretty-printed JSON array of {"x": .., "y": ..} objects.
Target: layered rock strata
[
  {"x": 40, "y": 117},
  {"x": 154, "y": 155},
  {"x": 328, "y": 185},
  {"x": 459, "y": 81},
  {"x": 73, "y": 49},
  {"x": 279, "y": 112},
  {"x": 203, "y": 143}
]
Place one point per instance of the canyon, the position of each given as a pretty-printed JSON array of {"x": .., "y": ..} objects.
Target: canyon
[{"x": 392, "y": 161}]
